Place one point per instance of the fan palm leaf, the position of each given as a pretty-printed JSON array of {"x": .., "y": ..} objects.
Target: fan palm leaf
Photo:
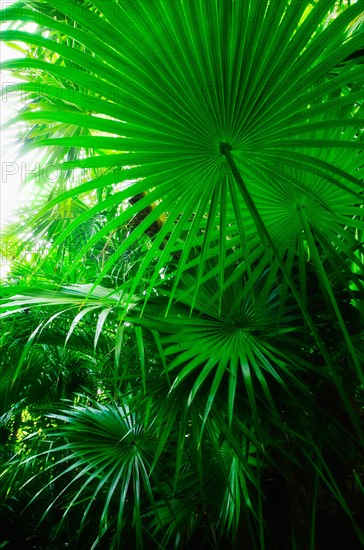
[
  {"x": 113, "y": 464},
  {"x": 201, "y": 75}
]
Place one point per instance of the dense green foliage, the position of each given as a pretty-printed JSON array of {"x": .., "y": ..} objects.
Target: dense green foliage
[{"x": 181, "y": 353}]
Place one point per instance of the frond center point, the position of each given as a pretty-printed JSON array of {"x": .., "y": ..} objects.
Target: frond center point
[{"x": 225, "y": 148}]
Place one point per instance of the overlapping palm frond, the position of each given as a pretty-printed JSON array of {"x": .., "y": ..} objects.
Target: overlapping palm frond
[
  {"x": 117, "y": 456},
  {"x": 235, "y": 340}
]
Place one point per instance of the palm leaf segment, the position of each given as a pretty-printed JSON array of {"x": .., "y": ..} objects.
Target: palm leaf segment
[{"x": 190, "y": 95}]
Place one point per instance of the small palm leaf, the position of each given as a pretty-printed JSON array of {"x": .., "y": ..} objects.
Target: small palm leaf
[
  {"x": 107, "y": 450},
  {"x": 238, "y": 342}
]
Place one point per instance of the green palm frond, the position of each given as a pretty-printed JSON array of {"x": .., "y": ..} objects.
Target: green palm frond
[
  {"x": 111, "y": 466},
  {"x": 172, "y": 106},
  {"x": 236, "y": 340}
]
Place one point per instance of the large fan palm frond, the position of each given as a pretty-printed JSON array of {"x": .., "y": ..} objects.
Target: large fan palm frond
[{"x": 190, "y": 95}]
